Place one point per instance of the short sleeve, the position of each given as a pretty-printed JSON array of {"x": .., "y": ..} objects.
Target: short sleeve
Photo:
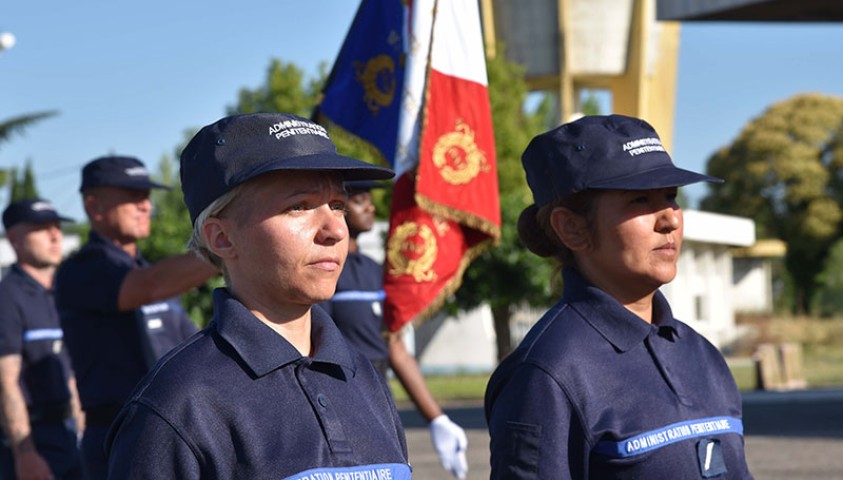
[
  {"x": 535, "y": 433},
  {"x": 11, "y": 324},
  {"x": 142, "y": 445}
]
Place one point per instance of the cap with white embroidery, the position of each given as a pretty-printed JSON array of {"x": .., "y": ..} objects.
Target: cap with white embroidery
[{"x": 117, "y": 171}]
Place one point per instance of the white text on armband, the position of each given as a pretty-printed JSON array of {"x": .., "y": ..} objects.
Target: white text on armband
[{"x": 673, "y": 433}]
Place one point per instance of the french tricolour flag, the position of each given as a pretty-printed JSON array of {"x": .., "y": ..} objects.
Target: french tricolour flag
[{"x": 445, "y": 207}]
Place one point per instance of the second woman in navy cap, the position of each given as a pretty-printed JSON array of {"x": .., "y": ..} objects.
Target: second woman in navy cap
[
  {"x": 608, "y": 384},
  {"x": 270, "y": 389}
]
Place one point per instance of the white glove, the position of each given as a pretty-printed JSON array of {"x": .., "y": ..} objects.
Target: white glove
[{"x": 450, "y": 443}]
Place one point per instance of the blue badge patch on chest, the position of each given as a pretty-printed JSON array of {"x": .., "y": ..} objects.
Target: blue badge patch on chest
[{"x": 710, "y": 455}]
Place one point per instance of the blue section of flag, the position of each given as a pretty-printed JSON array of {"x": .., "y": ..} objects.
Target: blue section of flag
[
  {"x": 363, "y": 93},
  {"x": 359, "y": 296},
  {"x": 383, "y": 471},
  {"x": 676, "y": 432}
]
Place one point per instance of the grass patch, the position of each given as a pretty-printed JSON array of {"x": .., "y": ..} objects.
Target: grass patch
[
  {"x": 743, "y": 370},
  {"x": 447, "y": 388},
  {"x": 822, "y": 347}
]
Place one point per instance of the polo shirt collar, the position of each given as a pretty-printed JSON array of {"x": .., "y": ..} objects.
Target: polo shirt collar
[
  {"x": 101, "y": 241},
  {"x": 620, "y": 327},
  {"x": 26, "y": 280},
  {"x": 264, "y": 350}
]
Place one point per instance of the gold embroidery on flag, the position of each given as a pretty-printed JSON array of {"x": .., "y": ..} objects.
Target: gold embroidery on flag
[
  {"x": 407, "y": 257},
  {"x": 377, "y": 77},
  {"x": 457, "y": 156}
]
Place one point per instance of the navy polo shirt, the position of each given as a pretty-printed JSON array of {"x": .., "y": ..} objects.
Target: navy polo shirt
[
  {"x": 239, "y": 401},
  {"x": 29, "y": 327},
  {"x": 111, "y": 350},
  {"x": 356, "y": 307},
  {"x": 593, "y": 391}
]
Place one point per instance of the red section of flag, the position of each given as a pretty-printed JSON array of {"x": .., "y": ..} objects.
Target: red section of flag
[
  {"x": 457, "y": 166},
  {"x": 423, "y": 254},
  {"x": 445, "y": 210}
]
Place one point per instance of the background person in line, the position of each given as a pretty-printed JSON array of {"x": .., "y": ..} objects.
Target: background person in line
[
  {"x": 270, "y": 389},
  {"x": 117, "y": 310},
  {"x": 356, "y": 309},
  {"x": 38, "y": 400},
  {"x": 608, "y": 384}
]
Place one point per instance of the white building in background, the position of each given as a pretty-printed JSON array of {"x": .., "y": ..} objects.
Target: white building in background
[
  {"x": 703, "y": 294},
  {"x": 753, "y": 275}
]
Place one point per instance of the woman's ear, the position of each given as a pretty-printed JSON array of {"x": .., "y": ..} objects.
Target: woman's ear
[
  {"x": 571, "y": 228},
  {"x": 216, "y": 233}
]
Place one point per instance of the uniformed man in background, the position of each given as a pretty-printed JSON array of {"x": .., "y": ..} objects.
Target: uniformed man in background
[
  {"x": 117, "y": 310},
  {"x": 38, "y": 400}
]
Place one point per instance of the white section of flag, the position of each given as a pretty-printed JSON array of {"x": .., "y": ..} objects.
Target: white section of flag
[
  {"x": 412, "y": 95},
  {"x": 457, "y": 51},
  {"x": 458, "y": 41}
]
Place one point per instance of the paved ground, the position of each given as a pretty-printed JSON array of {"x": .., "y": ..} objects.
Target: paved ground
[{"x": 793, "y": 436}]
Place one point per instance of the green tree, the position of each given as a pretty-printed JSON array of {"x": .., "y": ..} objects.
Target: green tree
[
  {"x": 22, "y": 188},
  {"x": 590, "y": 104},
  {"x": 284, "y": 90},
  {"x": 18, "y": 125},
  {"x": 785, "y": 170}
]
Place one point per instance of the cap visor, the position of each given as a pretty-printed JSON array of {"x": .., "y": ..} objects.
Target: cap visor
[
  {"x": 657, "y": 178},
  {"x": 348, "y": 168}
]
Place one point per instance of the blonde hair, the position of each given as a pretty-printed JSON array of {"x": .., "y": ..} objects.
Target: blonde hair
[{"x": 197, "y": 243}]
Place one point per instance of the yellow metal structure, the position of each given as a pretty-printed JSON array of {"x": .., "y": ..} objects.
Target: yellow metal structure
[{"x": 646, "y": 88}]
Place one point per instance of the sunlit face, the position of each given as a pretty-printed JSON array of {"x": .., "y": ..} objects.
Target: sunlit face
[
  {"x": 37, "y": 244},
  {"x": 120, "y": 213},
  {"x": 636, "y": 242},
  {"x": 289, "y": 238},
  {"x": 360, "y": 213}
]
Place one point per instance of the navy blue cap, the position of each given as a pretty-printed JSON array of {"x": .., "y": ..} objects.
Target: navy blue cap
[
  {"x": 117, "y": 171},
  {"x": 33, "y": 211},
  {"x": 240, "y": 147},
  {"x": 597, "y": 152},
  {"x": 356, "y": 186}
]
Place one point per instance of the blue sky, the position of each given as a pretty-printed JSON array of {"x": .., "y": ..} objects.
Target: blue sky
[{"x": 131, "y": 77}]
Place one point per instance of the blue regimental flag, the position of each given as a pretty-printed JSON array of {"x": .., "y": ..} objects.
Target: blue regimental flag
[{"x": 363, "y": 93}]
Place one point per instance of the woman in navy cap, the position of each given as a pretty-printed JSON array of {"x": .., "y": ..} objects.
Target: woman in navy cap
[
  {"x": 608, "y": 384},
  {"x": 270, "y": 389}
]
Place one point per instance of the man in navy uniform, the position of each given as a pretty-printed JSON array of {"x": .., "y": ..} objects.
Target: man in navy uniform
[
  {"x": 270, "y": 389},
  {"x": 357, "y": 310},
  {"x": 119, "y": 312},
  {"x": 37, "y": 391}
]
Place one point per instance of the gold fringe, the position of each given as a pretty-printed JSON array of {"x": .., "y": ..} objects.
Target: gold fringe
[
  {"x": 453, "y": 285},
  {"x": 460, "y": 216}
]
